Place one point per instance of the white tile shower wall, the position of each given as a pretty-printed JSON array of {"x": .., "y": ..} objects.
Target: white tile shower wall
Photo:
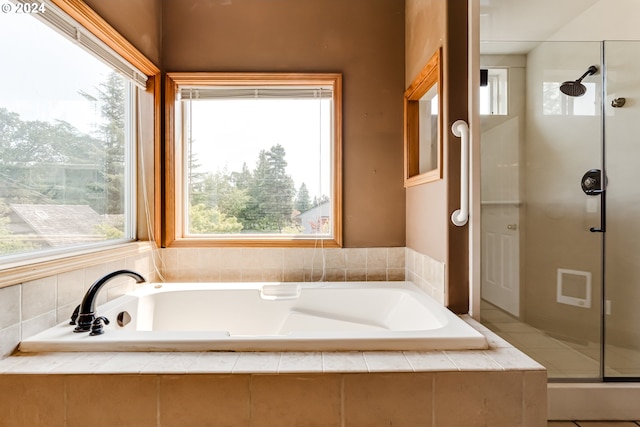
[
  {"x": 426, "y": 273},
  {"x": 31, "y": 307},
  {"x": 283, "y": 264}
]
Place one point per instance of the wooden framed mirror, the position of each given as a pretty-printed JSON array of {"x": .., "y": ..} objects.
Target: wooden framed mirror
[{"x": 423, "y": 125}]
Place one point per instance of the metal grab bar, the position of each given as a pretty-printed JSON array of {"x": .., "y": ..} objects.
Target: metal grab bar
[{"x": 460, "y": 128}]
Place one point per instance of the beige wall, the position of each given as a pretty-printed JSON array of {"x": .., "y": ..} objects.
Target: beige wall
[
  {"x": 429, "y": 25},
  {"x": 138, "y": 21},
  {"x": 362, "y": 39},
  {"x": 426, "y": 204}
]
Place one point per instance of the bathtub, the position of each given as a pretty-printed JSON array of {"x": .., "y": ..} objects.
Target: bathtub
[{"x": 326, "y": 316}]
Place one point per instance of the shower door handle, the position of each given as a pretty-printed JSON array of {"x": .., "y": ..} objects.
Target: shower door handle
[{"x": 593, "y": 184}]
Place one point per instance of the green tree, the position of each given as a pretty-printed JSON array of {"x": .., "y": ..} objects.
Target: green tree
[
  {"x": 111, "y": 95},
  {"x": 206, "y": 220},
  {"x": 303, "y": 201},
  {"x": 271, "y": 193}
]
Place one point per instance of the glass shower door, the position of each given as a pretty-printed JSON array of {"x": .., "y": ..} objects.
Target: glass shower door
[
  {"x": 537, "y": 220},
  {"x": 622, "y": 239}
]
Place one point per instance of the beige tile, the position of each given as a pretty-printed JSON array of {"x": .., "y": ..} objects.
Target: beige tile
[
  {"x": 429, "y": 361},
  {"x": 356, "y": 274},
  {"x": 231, "y": 259},
  {"x": 293, "y": 259},
  {"x": 395, "y": 258},
  {"x": 395, "y": 274},
  {"x": 214, "y": 362},
  {"x": 252, "y": 275},
  {"x": 293, "y": 275},
  {"x": 127, "y": 362},
  {"x": 387, "y": 361},
  {"x": 272, "y": 275},
  {"x": 170, "y": 363},
  {"x": 204, "y": 400},
  {"x": 84, "y": 363},
  {"x": 259, "y": 362},
  {"x": 93, "y": 273},
  {"x": 313, "y": 257},
  {"x": 296, "y": 400},
  {"x": 9, "y": 340},
  {"x": 230, "y": 275},
  {"x": 376, "y": 259},
  {"x": 39, "y": 363},
  {"x": 63, "y": 313},
  {"x": 410, "y": 259},
  {"x": 169, "y": 258},
  {"x": 478, "y": 399},
  {"x": 355, "y": 258},
  {"x": 335, "y": 275},
  {"x": 32, "y": 400},
  {"x": 209, "y": 259},
  {"x": 473, "y": 361},
  {"x": 38, "y": 297},
  {"x": 188, "y": 258},
  {"x": 9, "y": 306},
  {"x": 71, "y": 287},
  {"x": 300, "y": 362},
  {"x": 111, "y": 400},
  {"x": 376, "y": 274},
  {"x": 388, "y": 400},
  {"x": 352, "y": 361},
  {"x": 335, "y": 258},
  {"x": 38, "y": 324},
  {"x": 313, "y": 275},
  {"x": 513, "y": 359}
]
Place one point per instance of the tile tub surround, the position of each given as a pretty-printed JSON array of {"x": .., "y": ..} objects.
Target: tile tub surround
[
  {"x": 33, "y": 306},
  {"x": 497, "y": 387},
  {"x": 427, "y": 273},
  {"x": 283, "y": 264}
]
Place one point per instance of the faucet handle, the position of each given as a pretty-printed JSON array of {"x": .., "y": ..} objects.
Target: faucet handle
[
  {"x": 74, "y": 316},
  {"x": 97, "y": 327}
]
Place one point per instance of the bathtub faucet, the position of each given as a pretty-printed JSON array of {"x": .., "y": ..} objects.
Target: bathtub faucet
[{"x": 87, "y": 309}]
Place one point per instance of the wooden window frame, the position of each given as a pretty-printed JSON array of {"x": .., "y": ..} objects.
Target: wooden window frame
[
  {"x": 429, "y": 76},
  {"x": 173, "y": 224},
  {"x": 45, "y": 265}
]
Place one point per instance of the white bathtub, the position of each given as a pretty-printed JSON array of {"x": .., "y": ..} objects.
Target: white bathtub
[{"x": 327, "y": 316}]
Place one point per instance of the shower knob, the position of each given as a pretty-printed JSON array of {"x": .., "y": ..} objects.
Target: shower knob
[
  {"x": 512, "y": 227},
  {"x": 618, "y": 102}
]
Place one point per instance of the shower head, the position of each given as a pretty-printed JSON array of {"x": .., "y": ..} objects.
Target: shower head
[{"x": 575, "y": 87}]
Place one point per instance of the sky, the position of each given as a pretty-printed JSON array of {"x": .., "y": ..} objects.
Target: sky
[
  {"x": 49, "y": 71},
  {"x": 227, "y": 133},
  {"x": 46, "y": 74}
]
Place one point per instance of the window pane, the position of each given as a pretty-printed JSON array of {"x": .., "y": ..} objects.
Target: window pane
[
  {"x": 259, "y": 166},
  {"x": 64, "y": 133}
]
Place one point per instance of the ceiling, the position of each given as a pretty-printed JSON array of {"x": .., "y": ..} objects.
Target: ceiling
[{"x": 520, "y": 22}]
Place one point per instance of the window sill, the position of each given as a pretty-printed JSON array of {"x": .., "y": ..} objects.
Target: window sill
[
  {"x": 283, "y": 242},
  {"x": 38, "y": 268}
]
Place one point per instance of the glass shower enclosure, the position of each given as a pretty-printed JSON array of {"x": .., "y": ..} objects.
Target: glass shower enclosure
[{"x": 560, "y": 143}]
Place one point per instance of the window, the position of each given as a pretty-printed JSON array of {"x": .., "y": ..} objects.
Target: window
[
  {"x": 494, "y": 83},
  {"x": 256, "y": 158},
  {"x": 67, "y": 136},
  {"x": 555, "y": 103}
]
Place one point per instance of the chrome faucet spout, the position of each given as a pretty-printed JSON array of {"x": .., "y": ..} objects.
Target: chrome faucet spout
[{"x": 87, "y": 312}]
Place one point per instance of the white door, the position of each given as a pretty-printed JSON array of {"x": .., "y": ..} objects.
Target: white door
[
  {"x": 501, "y": 255},
  {"x": 500, "y": 203}
]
